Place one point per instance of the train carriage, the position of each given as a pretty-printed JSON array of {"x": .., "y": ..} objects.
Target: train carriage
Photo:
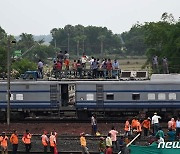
[
  {"x": 106, "y": 98},
  {"x": 161, "y": 93},
  {"x": 35, "y": 97}
]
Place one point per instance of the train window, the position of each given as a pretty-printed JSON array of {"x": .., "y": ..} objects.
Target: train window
[
  {"x": 90, "y": 97},
  {"x": 161, "y": 96},
  {"x": 172, "y": 96},
  {"x": 110, "y": 96},
  {"x": 135, "y": 96},
  {"x": 151, "y": 96},
  {"x": 19, "y": 96}
]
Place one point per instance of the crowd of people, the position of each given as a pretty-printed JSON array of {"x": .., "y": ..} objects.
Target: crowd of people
[
  {"x": 92, "y": 67},
  {"x": 149, "y": 128},
  {"x": 114, "y": 142},
  {"x": 79, "y": 68}
]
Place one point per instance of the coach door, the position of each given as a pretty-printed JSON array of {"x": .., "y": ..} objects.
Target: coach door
[
  {"x": 99, "y": 95},
  {"x": 64, "y": 95}
]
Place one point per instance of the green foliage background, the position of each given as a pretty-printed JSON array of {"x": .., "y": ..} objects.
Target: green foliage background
[{"x": 160, "y": 38}]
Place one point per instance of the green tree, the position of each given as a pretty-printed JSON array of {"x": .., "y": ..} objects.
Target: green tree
[
  {"x": 163, "y": 39},
  {"x": 24, "y": 65}
]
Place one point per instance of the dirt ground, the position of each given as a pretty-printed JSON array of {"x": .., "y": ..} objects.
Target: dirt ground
[{"x": 61, "y": 128}]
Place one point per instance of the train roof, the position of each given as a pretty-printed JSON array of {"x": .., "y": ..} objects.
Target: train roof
[
  {"x": 155, "y": 79},
  {"x": 37, "y": 82},
  {"x": 165, "y": 77}
]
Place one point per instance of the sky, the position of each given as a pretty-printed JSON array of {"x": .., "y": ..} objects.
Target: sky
[{"x": 39, "y": 17}]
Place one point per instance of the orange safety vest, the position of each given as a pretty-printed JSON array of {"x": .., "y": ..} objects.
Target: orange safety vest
[
  {"x": 139, "y": 127},
  {"x": 44, "y": 140},
  {"x": 127, "y": 126},
  {"x": 14, "y": 139},
  {"x": 146, "y": 124},
  {"x": 134, "y": 123},
  {"x": 27, "y": 138},
  {"x": 52, "y": 140},
  {"x": 4, "y": 141}
]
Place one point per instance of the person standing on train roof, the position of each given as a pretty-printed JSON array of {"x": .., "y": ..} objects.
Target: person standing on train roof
[
  {"x": 27, "y": 141},
  {"x": 79, "y": 69},
  {"x": 14, "y": 141},
  {"x": 127, "y": 128},
  {"x": 94, "y": 124},
  {"x": 115, "y": 67},
  {"x": 53, "y": 141},
  {"x": 66, "y": 55},
  {"x": 84, "y": 60},
  {"x": 45, "y": 141},
  {"x": 4, "y": 143},
  {"x": 40, "y": 68},
  {"x": 165, "y": 65},
  {"x": 155, "y": 64},
  {"x": 109, "y": 68},
  {"x": 146, "y": 124},
  {"x": 155, "y": 123},
  {"x": 60, "y": 56}
]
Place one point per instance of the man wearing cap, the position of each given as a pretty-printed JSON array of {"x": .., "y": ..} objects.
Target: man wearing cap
[
  {"x": 155, "y": 123},
  {"x": 83, "y": 143}
]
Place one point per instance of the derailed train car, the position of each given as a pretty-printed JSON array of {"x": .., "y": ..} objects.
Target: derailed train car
[{"x": 112, "y": 98}]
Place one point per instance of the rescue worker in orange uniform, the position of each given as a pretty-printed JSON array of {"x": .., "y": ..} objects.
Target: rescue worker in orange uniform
[
  {"x": 127, "y": 128},
  {"x": 146, "y": 124},
  {"x": 52, "y": 140},
  {"x": 14, "y": 142},
  {"x": 45, "y": 141},
  {"x": 27, "y": 141},
  {"x": 134, "y": 123},
  {"x": 4, "y": 143},
  {"x": 138, "y": 128}
]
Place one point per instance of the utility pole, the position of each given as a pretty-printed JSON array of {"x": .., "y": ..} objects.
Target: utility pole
[
  {"x": 8, "y": 83},
  {"x": 8, "y": 80}
]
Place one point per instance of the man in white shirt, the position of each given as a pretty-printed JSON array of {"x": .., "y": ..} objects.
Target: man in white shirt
[
  {"x": 155, "y": 123},
  {"x": 94, "y": 125},
  {"x": 40, "y": 68}
]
